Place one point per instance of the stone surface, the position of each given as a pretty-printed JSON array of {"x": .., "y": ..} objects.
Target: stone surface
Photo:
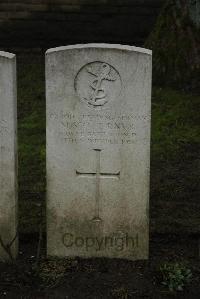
[
  {"x": 8, "y": 154},
  {"x": 98, "y": 150}
]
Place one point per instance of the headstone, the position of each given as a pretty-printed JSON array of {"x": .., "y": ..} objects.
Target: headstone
[
  {"x": 194, "y": 11},
  {"x": 98, "y": 150},
  {"x": 8, "y": 157}
]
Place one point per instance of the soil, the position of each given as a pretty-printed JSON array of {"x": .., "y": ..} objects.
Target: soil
[{"x": 102, "y": 277}]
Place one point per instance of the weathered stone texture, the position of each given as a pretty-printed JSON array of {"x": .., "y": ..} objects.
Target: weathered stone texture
[
  {"x": 98, "y": 150},
  {"x": 8, "y": 154}
]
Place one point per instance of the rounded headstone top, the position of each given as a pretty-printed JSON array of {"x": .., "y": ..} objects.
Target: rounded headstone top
[
  {"x": 7, "y": 55},
  {"x": 101, "y": 46}
]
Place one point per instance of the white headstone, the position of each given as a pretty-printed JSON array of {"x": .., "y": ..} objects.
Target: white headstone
[
  {"x": 98, "y": 150},
  {"x": 8, "y": 156}
]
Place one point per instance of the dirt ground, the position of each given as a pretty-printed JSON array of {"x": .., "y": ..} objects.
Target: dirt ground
[{"x": 100, "y": 278}]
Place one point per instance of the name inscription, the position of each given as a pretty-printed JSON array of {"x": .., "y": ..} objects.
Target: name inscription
[{"x": 95, "y": 128}]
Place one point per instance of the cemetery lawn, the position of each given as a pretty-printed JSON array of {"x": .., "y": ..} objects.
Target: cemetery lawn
[{"x": 174, "y": 204}]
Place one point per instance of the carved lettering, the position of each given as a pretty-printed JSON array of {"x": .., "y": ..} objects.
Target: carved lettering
[
  {"x": 105, "y": 128},
  {"x": 3, "y": 127}
]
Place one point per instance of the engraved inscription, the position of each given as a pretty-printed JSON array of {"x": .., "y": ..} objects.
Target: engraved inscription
[
  {"x": 97, "y": 83},
  {"x": 97, "y": 128},
  {"x": 3, "y": 127},
  {"x": 98, "y": 175}
]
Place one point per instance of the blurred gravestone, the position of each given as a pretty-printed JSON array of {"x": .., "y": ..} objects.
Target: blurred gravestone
[
  {"x": 98, "y": 148},
  {"x": 8, "y": 157},
  {"x": 194, "y": 11}
]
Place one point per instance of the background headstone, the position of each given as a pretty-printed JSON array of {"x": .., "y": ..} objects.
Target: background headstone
[
  {"x": 98, "y": 150},
  {"x": 8, "y": 156}
]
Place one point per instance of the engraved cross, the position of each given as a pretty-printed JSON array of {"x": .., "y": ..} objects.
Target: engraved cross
[{"x": 98, "y": 175}]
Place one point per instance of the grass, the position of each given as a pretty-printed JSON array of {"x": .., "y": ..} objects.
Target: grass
[
  {"x": 175, "y": 123},
  {"x": 174, "y": 163},
  {"x": 31, "y": 140},
  {"x": 174, "y": 153}
]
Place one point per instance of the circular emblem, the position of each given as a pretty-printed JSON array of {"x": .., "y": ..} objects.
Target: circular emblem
[{"x": 97, "y": 83}]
